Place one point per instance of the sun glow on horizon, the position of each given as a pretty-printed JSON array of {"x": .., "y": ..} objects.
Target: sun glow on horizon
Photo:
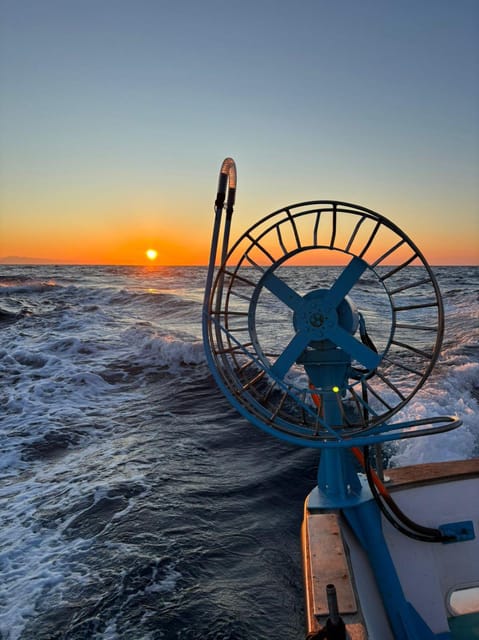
[{"x": 151, "y": 254}]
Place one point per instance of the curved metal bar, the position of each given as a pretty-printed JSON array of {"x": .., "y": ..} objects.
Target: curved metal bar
[
  {"x": 226, "y": 184},
  {"x": 227, "y": 176},
  {"x": 227, "y": 179}
]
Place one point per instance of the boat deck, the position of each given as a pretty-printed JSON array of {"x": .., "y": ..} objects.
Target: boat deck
[{"x": 331, "y": 554}]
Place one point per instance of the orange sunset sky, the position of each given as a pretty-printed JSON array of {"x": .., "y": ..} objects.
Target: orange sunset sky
[{"x": 115, "y": 118}]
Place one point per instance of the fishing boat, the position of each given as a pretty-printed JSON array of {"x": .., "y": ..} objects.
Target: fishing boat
[{"x": 331, "y": 358}]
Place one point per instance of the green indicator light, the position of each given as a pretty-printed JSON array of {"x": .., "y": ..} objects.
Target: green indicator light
[{"x": 335, "y": 389}]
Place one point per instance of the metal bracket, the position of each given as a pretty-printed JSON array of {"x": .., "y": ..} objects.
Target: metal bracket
[{"x": 458, "y": 531}]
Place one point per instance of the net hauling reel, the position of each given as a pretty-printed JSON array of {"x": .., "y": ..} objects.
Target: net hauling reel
[{"x": 322, "y": 357}]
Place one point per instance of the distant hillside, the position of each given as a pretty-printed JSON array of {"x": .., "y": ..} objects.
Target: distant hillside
[{"x": 24, "y": 260}]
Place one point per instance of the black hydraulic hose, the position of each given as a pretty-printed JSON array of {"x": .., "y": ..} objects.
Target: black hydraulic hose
[
  {"x": 410, "y": 528},
  {"x": 226, "y": 185},
  {"x": 401, "y": 522}
]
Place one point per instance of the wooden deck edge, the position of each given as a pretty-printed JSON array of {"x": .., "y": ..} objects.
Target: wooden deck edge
[
  {"x": 430, "y": 472},
  {"x": 354, "y": 626},
  {"x": 312, "y": 625}
]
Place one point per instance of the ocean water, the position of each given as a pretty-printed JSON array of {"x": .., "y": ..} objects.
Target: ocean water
[{"x": 136, "y": 504}]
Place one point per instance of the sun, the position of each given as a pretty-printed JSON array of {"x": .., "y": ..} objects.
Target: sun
[{"x": 151, "y": 254}]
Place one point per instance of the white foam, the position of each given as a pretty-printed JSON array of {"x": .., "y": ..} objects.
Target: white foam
[
  {"x": 41, "y": 557},
  {"x": 451, "y": 394},
  {"x": 154, "y": 349},
  {"x": 166, "y": 584},
  {"x": 31, "y": 560}
]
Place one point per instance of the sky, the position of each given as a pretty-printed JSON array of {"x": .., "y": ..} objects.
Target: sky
[{"x": 115, "y": 116}]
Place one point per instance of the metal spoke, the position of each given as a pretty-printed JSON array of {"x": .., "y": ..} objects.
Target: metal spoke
[
  {"x": 357, "y": 350},
  {"x": 346, "y": 281},
  {"x": 282, "y": 291},
  {"x": 292, "y": 352}
]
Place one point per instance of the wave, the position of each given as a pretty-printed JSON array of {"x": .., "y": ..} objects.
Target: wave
[
  {"x": 33, "y": 286},
  {"x": 7, "y": 317}
]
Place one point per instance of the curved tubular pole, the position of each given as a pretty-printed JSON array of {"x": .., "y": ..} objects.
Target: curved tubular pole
[
  {"x": 226, "y": 184},
  {"x": 227, "y": 179},
  {"x": 227, "y": 175}
]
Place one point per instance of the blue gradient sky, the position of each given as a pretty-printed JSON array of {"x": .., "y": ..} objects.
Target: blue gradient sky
[{"x": 115, "y": 117}]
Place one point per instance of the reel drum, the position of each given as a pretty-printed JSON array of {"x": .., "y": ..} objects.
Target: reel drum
[{"x": 325, "y": 355}]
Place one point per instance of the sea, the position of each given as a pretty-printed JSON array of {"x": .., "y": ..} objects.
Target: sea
[{"x": 136, "y": 504}]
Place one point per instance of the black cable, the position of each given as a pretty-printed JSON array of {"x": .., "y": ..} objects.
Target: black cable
[
  {"x": 394, "y": 515},
  {"x": 402, "y": 522}
]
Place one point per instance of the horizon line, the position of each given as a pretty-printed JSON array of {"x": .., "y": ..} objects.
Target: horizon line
[{"x": 29, "y": 262}]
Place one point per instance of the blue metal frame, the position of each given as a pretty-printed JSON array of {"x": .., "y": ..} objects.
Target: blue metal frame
[{"x": 406, "y": 623}]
